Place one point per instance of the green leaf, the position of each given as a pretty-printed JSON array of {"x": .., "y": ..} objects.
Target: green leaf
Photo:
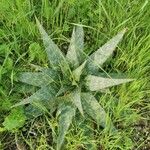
[
  {"x": 53, "y": 74},
  {"x": 43, "y": 94},
  {"x": 54, "y": 54},
  {"x": 8, "y": 64},
  {"x": 2, "y": 129},
  {"x": 103, "y": 53},
  {"x": 95, "y": 83},
  {"x": 93, "y": 108},
  {"x": 39, "y": 107},
  {"x": 14, "y": 120},
  {"x": 78, "y": 71},
  {"x": 32, "y": 111},
  {"x": 36, "y": 53},
  {"x": 35, "y": 78},
  {"x": 66, "y": 113},
  {"x": 75, "y": 51},
  {"x": 76, "y": 98}
]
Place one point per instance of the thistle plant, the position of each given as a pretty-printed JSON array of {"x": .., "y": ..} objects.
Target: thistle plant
[{"x": 69, "y": 84}]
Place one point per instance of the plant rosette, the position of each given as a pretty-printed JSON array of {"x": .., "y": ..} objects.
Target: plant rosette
[{"x": 67, "y": 86}]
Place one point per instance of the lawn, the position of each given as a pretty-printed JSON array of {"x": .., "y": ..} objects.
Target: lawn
[{"x": 21, "y": 49}]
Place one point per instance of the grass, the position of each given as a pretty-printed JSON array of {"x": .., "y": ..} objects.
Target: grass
[{"x": 21, "y": 49}]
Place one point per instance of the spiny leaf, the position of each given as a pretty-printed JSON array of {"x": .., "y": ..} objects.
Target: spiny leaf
[
  {"x": 76, "y": 98},
  {"x": 93, "y": 108},
  {"x": 35, "y": 78},
  {"x": 53, "y": 74},
  {"x": 75, "y": 51},
  {"x": 38, "y": 107},
  {"x": 45, "y": 93},
  {"x": 95, "y": 83},
  {"x": 78, "y": 71},
  {"x": 65, "y": 69},
  {"x": 54, "y": 54},
  {"x": 103, "y": 53},
  {"x": 32, "y": 112},
  {"x": 66, "y": 113}
]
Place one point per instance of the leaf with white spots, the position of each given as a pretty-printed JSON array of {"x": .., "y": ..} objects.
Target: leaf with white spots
[
  {"x": 35, "y": 78},
  {"x": 103, "y": 53},
  {"x": 66, "y": 113},
  {"x": 55, "y": 56},
  {"x": 43, "y": 94},
  {"x": 95, "y": 83},
  {"x": 78, "y": 71},
  {"x": 93, "y": 108},
  {"x": 75, "y": 51},
  {"x": 76, "y": 98}
]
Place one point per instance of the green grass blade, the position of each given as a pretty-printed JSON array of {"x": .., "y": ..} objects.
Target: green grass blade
[
  {"x": 95, "y": 83},
  {"x": 66, "y": 114},
  {"x": 75, "y": 51}
]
